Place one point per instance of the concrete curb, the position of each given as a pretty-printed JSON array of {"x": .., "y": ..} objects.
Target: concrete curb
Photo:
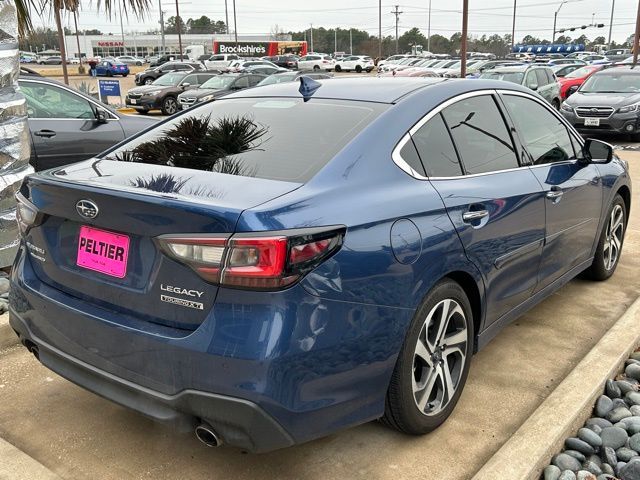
[
  {"x": 529, "y": 450},
  {"x": 17, "y": 465},
  {"x": 7, "y": 336},
  {"x": 127, "y": 110}
]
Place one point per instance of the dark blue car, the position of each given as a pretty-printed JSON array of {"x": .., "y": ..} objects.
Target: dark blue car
[
  {"x": 109, "y": 69},
  {"x": 274, "y": 266}
]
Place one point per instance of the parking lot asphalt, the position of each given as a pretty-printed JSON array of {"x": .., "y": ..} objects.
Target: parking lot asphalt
[{"x": 81, "y": 436}]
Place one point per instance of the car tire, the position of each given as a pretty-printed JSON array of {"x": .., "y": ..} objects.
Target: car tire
[
  {"x": 138, "y": 64},
  {"x": 143, "y": 112},
  {"x": 316, "y": 67},
  {"x": 358, "y": 69},
  {"x": 169, "y": 106},
  {"x": 109, "y": 74},
  {"x": 148, "y": 81},
  {"x": 610, "y": 243},
  {"x": 124, "y": 75},
  {"x": 556, "y": 103},
  {"x": 338, "y": 68},
  {"x": 429, "y": 375}
]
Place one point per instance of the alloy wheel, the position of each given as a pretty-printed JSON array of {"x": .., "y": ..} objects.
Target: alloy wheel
[
  {"x": 614, "y": 236},
  {"x": 170, "y": 106},
  {"x": 439, "y": 357}
]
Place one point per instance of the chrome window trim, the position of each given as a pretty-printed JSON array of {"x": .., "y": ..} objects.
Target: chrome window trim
[
  {"x": 70, "y": 90},
  {"x": 404, "y": 166}
]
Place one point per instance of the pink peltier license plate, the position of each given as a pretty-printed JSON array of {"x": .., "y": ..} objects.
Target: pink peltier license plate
[{"x": 103, "y": 251}]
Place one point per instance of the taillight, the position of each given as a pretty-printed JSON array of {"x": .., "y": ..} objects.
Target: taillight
[
  {"x": 251, "y": 261},
  {"x": 26, "y": 213}
]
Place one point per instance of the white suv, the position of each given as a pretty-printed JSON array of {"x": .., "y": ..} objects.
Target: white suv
[
  {"x": 355, "y": 62},
  {"x": 220, "y": 60},
  {"x": 318, "y": 61}
]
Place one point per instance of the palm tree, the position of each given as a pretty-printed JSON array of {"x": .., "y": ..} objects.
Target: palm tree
[{"x": 26, "y": 7}]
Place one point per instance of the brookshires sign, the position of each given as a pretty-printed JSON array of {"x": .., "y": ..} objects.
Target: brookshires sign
[{"x": 245, "y": 49}]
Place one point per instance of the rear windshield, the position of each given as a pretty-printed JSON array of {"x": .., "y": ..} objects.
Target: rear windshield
[{"x": 273, "y": 138}]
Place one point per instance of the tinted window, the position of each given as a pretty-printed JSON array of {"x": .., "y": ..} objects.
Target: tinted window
[
  {"x": 410, "y": 155},
  {"x": 436, "y": 149},
  {"x": 481, "y": 135},
  {"x": 544, "y": 135},
  {"x": 48, "y": 101},
  {"x": 242, "y": 82},
  {"x": 191, "y": 80},
  {"x": 253, "y": 137},
  {"x": 215, "y": 58},
  {"x": 531, "y": 80},
  {"x": 541, "y": 75}
]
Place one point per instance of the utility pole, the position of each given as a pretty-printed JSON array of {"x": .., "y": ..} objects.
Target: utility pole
[
  {"x": 513, "y": 27},
  {"x": 350, "y": 43},
  {"x": 397, "y": 14},
  {"x": 613, "y": 7},
  {"x": 162, "y": 27},
  {"x": 178, "y": 22},
  {"x": 235, "y": 26},
  {"x": 311, "y": 37},
  {"x": 380, "y": 29},
  {"x": 226, "y": 16},
  {"x": 429, "y": 29},
  {"x": 636, "y": 38},
  {"x": 335, "y": 41},
  {"x": 463, "y": 43}
]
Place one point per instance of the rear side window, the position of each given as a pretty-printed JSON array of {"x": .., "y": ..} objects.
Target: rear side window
[
  {"x": 410, "y": 155},
  {"x": 254, "y": 137},
  {"x": 480, "y": 135},
  {"x": 541, "y": 75},
  {"x": 545, "y": 137},
  {"x": 436, "y": 150}
]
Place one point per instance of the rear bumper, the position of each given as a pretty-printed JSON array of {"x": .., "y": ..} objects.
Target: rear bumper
[
  {"x": 265, "y": 369},
  {"x": 238, "y": 422}
]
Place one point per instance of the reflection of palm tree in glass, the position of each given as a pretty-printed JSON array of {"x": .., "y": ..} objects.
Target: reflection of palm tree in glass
[{"x": 200, "y": 144}]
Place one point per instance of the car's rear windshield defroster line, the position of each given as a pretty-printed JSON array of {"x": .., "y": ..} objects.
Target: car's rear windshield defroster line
[{"x": 272, "y": 138}]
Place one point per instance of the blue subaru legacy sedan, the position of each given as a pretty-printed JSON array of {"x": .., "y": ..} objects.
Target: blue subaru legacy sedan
[{"x": 299, "y": 258}]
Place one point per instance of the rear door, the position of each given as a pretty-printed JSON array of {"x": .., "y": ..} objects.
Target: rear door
[
  {"x": 573, "y": 189},
  {"x": 64, "y": 127},
  {"x": 496, "y": 206}
]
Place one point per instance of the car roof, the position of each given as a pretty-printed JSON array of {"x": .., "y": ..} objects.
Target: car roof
[
  {"x": 517, "y": 68},
  {"x": 373, "y": 89},
  {"x": 617, "y": 69}
]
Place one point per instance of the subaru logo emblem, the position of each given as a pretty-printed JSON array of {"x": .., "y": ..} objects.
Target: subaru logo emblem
[
  {"x": 87, "y": 209},
  {"x": 594, "y": 110}
]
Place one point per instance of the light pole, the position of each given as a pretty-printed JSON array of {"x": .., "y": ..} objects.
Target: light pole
[
  {"x": 429, "y": 29},
  {"x": 463, "y": 44},
  {"x": 235, "y": 25},
  {"x": 178, "y": 22},
  {"x": 613, "y": 7},
  {"x": 513, "y": 27},
  {"x": 636, "y": 38},
  {"x": 380, "y": 29},
  {"x": 226, "y": 16},
  {"x": 311, "y": 34},
  {"x": 555, "y": 19}
]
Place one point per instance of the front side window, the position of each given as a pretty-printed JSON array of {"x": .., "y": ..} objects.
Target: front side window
[
  {"x": 545, "y": 137},
  {"x": 481, "y": 135},
  {"x": 436, "y": 150},
  {"x": 49, "y": 101},
  {"x": 541, "y": 75}
]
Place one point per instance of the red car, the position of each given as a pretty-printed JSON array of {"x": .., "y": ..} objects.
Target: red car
[{"x": 576, "y": 78}]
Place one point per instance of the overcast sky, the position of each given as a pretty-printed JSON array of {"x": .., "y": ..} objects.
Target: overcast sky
[{"x": 534, "y": 17}]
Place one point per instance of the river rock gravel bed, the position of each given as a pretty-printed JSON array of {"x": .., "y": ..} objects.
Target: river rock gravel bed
[{"x": 607, "y": 447}]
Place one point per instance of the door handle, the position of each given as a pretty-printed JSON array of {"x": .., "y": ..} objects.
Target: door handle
[
  {"x": 45, "y": 133},
  {"x": 474, "y": 215},
  {"x": 555, "y": 193}
]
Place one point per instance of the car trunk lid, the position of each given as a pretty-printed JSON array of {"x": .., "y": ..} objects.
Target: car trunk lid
[{"x": 113, "y": 260}]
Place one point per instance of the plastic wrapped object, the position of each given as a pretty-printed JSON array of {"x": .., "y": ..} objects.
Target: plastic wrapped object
[{"x": 14, "y": 132}]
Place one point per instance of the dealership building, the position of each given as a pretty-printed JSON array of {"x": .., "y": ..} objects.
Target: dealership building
[{"x": 144, "y": 45}]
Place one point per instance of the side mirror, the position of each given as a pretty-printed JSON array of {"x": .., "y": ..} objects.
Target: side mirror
[
  {"x": 572, "y": 90},
  {"x": 101, "y": 116},
  {"x": 185, "y": 85},
  {"x": 598, "y": 151}
]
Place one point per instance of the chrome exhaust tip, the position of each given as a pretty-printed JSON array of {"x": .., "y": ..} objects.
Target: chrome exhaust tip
[{"x": 207, "y": 435}]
